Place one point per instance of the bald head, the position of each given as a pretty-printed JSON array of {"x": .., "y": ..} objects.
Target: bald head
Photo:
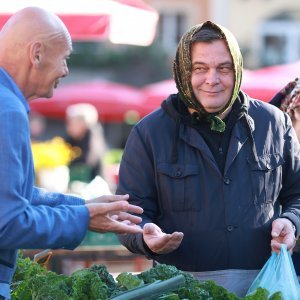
[
  {"x": 28, "y": 40},
  {"x": 34, "y": 23}
]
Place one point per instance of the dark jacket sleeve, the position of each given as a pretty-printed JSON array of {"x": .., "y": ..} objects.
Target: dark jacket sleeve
[{"x": 136, "y": 177}]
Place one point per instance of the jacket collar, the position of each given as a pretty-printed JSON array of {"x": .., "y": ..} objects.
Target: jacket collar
[{"x": 9, "y": 83}]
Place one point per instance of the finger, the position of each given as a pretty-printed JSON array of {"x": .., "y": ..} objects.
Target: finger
[
  {"x": 113, "y": 208},
  {"x": 113, "y": 198},
  {"x": 135, "y": 209},
  {"x": 275, "y": 246},
  {"x": 131, "y": 218},
  {"x": 277, "y": 229},
  {"x": 177, "y": 236},
  {"x": 150, "y": 228}
]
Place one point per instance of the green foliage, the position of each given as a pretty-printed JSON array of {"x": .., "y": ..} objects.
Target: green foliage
[
  {"x": 260, "y": 294},
  {"x": 129, "y": 281},
  {"x": 160, "y": 272},
  {"x": 50, "y": 286},
  {"x": 217, "y": 292},
  {"x": 87, "y": 285},
  {"x": 276, "y": 296},
  {"x": 33, "y": 282},
  {"x": 263, "y": 294},
  {"x": 26, "y": 270},
  {"x": 105, "y": 277},
  {"x": 171, "y": 296}
]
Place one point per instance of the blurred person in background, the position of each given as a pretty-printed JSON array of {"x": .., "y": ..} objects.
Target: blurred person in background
[
  {"x": 86, "y": 134},
  {"x": 35, "y": 45},
  {"x": 288, "y": 100},
  {"x": 216, "y": 171},
  {"x": 38, "y": 126}
]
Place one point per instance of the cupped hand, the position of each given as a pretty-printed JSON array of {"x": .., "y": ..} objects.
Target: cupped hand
[{"x": 160, "y": 242}]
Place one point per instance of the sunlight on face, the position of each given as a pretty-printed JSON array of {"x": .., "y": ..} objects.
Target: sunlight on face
[
  {"x": 53, "y": 67},
  {"x": 212, "y": 76}
]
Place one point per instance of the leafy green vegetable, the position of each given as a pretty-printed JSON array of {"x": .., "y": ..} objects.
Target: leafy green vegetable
[
  {"x": 87, "y": 285},
  {"x": 26, "y": 269},
  {"x": 50, "y": 286},
  {"x": 160, "y": 272},
  {"x": 33, "y": 282},
  {"x": 276, "y": 296},
  {"x": 129, "y": 281},
  {"x": 217, "y": 292}
]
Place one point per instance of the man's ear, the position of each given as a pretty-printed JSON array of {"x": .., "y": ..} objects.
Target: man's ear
[{"x": 36, "y": 53}]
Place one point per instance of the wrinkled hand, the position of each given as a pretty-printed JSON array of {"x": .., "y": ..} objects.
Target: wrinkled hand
[
  {"x": 114, "y": 214},
  {"x": 107, "y": 199},
  {"x": 282, "y": 233},
  {"x": 159, "y": 242}
]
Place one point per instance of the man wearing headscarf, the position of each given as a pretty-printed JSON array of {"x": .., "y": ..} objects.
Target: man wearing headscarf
[{"x": 212, "y": 169}]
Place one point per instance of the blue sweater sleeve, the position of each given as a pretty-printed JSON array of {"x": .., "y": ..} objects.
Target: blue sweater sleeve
[
  {"x": 26, "y": 219},
  {"x": 43, "y": 197}
]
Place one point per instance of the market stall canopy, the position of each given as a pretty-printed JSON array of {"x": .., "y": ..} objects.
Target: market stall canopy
[
  {"x": 155, "y": 93},
  {"x": 130, "y": 22},
  {"x": 114, "y": 102},
  {"x": 266, "y": 82}
]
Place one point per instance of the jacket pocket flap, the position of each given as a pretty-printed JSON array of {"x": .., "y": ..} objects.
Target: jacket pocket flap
[{"x": 177, "y": 170}]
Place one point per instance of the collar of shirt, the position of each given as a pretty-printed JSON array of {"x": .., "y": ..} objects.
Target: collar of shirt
[{"x": 7, "y": 81}]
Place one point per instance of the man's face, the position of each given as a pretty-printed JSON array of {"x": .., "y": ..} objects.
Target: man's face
[
  {"x": 212, "y": 75},
  {"x": 53, "y": 67}
]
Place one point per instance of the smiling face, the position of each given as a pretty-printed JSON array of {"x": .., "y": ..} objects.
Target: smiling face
[
  {"x": 52, "y": 67},
  {"x": 212, "y": 76}
]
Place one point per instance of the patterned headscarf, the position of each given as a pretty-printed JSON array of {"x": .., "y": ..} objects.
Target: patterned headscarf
[
  {"x": 290, "y": 96},
  {"x": 182, "y": 68}
]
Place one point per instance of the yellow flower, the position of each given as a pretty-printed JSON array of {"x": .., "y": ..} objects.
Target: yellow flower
[{"x": 53, "y": 153}]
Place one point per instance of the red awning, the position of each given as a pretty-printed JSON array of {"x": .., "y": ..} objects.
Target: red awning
[
  {"x": 120, "y": 21},
  {"x": 266, "y": 82},
  {"x": 114, "y": 102},
  {"x": 155, "y": 93}
]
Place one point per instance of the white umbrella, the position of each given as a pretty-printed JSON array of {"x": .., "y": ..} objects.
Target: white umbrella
[{"x": 123, "y": 22}]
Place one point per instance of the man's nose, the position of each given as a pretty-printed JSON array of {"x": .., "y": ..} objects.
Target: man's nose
[
  {"x": 212, "y": 77},
  {"x": 66, "y": 70}
]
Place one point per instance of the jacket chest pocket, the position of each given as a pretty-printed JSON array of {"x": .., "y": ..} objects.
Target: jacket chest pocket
[
  {"x": 178, "y": 186},
  {"x": 266, "y": 178}
]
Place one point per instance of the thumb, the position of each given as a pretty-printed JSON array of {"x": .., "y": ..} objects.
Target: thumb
[
  {"x": 276, "y": 229},
  {"x": 149, "y": 228}
]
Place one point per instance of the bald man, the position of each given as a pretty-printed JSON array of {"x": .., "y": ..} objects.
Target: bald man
[{"x": 35, "y": 45}]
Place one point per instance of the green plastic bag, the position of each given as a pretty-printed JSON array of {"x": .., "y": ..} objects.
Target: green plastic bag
[{"x": 278, "y": 275}]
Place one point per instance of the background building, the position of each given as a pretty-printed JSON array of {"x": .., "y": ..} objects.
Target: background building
[{"x": 268, "y": 31}]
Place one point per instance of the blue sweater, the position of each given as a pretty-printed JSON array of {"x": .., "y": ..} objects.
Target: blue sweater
[{"x": 30, "y": 218}]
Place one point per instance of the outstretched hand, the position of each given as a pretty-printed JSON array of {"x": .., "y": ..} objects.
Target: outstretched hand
[
  {"x": 160, "y": 242},
  {"x": 112, "y": 213},
  {"x": 282, "y": 233}
]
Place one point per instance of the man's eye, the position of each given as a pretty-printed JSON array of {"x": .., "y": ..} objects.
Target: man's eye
[
  {"x": 200, "y": 69},
  {"x": 225, "y": 69}
]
